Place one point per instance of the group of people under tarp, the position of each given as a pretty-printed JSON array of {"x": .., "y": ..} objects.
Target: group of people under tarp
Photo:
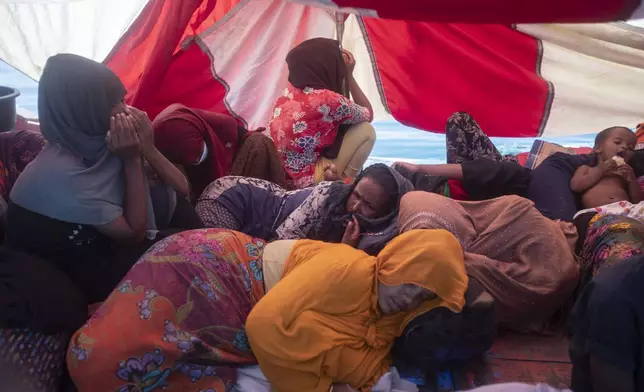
[{"x": 206, "y": 249}]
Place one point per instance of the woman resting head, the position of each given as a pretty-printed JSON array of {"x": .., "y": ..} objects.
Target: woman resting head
[
  {"x": 180, "y": 307},
  {"x": 376, "y": 192},
  {"x": 201, "y": 142},
  {"x": 523, "y": 259},
  {"x": 336, "y": 312},
  {"x": 364, "y": 213}
]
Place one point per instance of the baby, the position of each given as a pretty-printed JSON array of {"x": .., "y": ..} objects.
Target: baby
[{"x": 612, "y": 179}]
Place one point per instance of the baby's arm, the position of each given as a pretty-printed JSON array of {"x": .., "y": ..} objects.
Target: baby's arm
[{"x": 586, "y": 177}]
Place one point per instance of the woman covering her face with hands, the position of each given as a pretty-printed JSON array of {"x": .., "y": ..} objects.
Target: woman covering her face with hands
[{"x": 83, "y": 203}]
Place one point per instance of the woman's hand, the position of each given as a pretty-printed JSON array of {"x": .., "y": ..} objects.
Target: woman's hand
[
  {"x": 352, "y": 233},
  {"x": 349, "y": 60},
  {"x": 331, "y": 173},
  {"x": 405, "y": 166},
  {"x": 144, "y": 130},
  {"x": 122, "y": 139}
]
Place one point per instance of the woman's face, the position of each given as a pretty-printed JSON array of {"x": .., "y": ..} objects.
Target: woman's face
[
  {"x": 401, "y": 298},
  {"x": 368, "y": 199}
]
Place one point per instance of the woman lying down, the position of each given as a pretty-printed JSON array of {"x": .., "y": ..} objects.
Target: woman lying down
[
  {"x": 334, "y": 315},
  {"x": 176, "y": 322}
]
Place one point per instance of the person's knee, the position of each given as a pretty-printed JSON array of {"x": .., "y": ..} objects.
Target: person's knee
[
  {"x": 366, "y": 132},
  {"x": 370, "y": 133}
]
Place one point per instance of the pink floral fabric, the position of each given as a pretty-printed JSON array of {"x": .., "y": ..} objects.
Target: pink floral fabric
[{"x": 304, "y": 123}]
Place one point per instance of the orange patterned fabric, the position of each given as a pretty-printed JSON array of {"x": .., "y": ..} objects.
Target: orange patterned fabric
[{"x": 176, "y": 320}]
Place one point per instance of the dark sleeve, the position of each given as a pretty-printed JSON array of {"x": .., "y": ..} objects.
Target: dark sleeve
[
  {"x": 486, "y": 178},
  {"x": 549, "y": 186},
  {"x": 422, "y": 181},
  {"x": 605, "y": 325}
]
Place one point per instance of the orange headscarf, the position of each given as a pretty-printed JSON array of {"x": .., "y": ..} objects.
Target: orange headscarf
[{"x": 321, "y": 323}]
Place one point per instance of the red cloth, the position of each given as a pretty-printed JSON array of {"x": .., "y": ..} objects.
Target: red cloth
[
  {"x": 153, "y": 66},
  {"x": 502, "y": 59},
  {"x": 456, "y": 191},
  {"x": 179, "y": 134},
  {"x": 483, "y": 69},
  {"x": 498, "y": 11}
]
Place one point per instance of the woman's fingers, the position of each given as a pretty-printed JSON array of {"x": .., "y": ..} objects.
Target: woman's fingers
[
  {"x": 132, "y": 130},
  {"x": 355, "y": 226},
  {"x": 133, "y": 124},
  {"x": 117, "y": 135},
  {"x": 118, "y": 122},
  {"x": 132, "y": 120}
]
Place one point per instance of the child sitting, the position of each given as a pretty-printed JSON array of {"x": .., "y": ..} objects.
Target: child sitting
[{"x": 612, "y": 179}]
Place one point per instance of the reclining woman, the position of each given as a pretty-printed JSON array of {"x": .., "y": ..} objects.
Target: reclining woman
[
  {"x": 475, "y": 169},
  {"x": 177, "y": 319},
  {"x": 314, "y": 123},
  {"x": 83, "y": 203},
  {"x": 334, "y": 315},
  {"x": 361, "y": 214},
  {"x": 524, "y": 260}
]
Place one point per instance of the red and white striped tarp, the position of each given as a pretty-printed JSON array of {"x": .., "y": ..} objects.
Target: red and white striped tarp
[{"x": 417, "y": 60}]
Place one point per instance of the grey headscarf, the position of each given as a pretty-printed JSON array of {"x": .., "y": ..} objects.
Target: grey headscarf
[{"x": 75, "y": 178}]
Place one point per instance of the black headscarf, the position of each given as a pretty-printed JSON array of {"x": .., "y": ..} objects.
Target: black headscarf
[
  {"x": 375, "y": 232},
  {"x": 318, "y": 63}
]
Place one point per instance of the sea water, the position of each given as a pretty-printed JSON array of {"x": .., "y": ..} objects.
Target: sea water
[{"x": 394, "y": 141}]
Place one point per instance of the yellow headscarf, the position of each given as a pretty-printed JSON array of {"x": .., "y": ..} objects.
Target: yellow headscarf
[{"x": 321, "y": 323}]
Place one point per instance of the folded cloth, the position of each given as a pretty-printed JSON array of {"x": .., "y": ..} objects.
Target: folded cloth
[{"x": 34, "y": 294}]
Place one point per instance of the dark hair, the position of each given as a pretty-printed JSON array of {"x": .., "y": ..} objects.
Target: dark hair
[
  {"x": 382, "y": 175},
  {"x": 605, "y": 134}
]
